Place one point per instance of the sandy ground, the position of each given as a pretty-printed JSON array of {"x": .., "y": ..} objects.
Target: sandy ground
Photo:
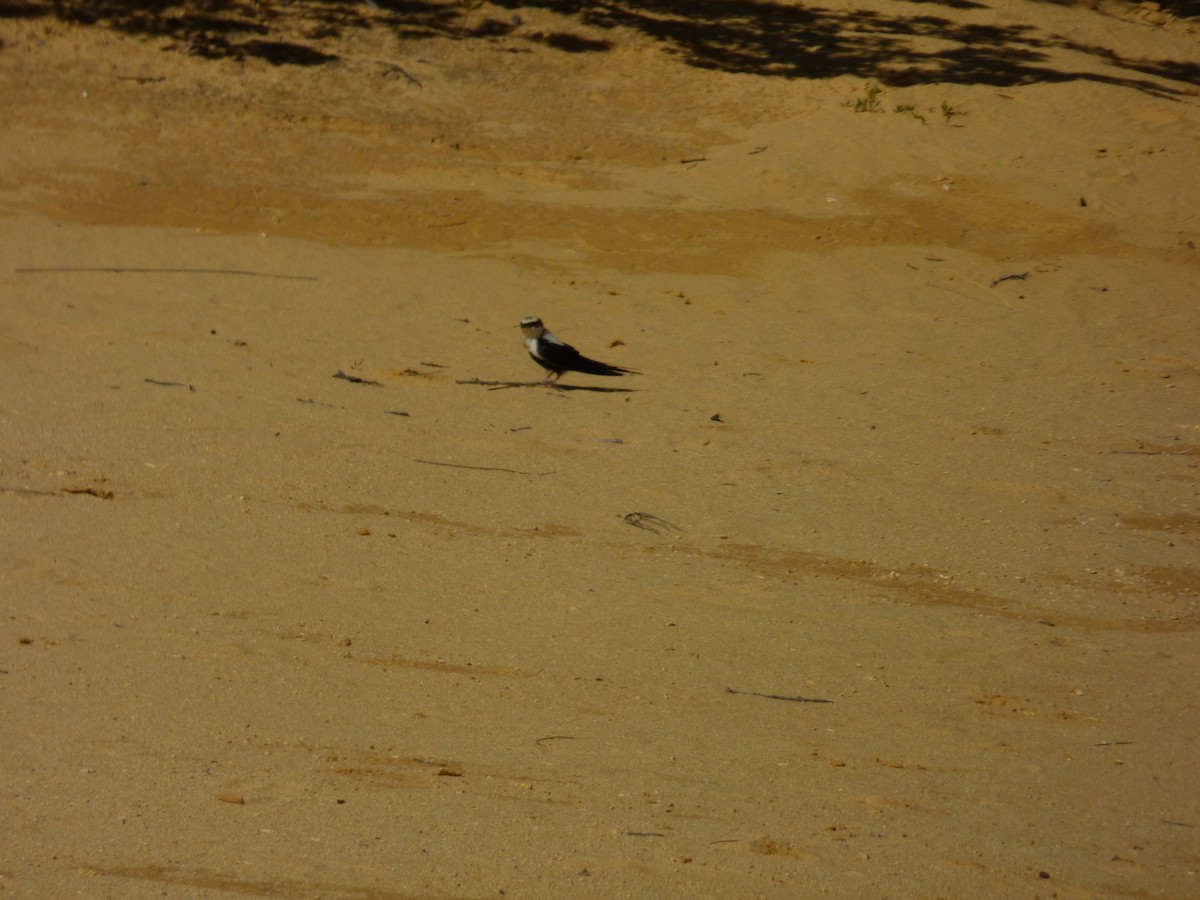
[{"x": 914, "y": 291}]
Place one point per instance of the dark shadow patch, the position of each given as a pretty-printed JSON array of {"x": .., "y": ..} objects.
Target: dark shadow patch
[
  {"x": 1183, "y": 9},
  {"x": 22, "y": 10},
  {"x": 277, "y": 53},
  {"x": 569, "y": 43},
  {"x": 488, "y": 28},
  {"x": 954, "y": 4},
  {"x": 769, "y": 38}
]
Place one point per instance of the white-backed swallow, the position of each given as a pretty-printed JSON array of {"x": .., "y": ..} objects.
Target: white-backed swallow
[{"x": 557, "y": 357}]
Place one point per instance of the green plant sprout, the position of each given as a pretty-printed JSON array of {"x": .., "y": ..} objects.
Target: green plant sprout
[
  {"x": 949, "y": 112},
  {"x": 912, "y": 110},
  {"x": 869, "y": 102}
]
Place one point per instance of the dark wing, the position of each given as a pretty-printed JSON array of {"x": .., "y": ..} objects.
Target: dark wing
[{"x": 561, "y": 357}]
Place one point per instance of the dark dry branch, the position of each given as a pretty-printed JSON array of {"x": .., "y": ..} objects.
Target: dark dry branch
[
  {"x": 354, "y": 379},
  {"x": 556, "y": 737},
  {"x": 1154, "y": 452},
  {"x": 121, "y": 270},
  {"x": 649, "y": 522},
  {"x": 433, "y": 462},
  {"x": 797, "y": 699},
  {"x": 389, "y": 68},
  {"x": 90, "y": 491}
]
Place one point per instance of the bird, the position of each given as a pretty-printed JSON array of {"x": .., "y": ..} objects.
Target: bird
[{"x": 557, "y": 357}]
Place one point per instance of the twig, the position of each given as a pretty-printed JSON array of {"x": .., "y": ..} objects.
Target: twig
[
  {"x": 389, "y": 68},
  {"x": 91, "y": 491},
  {"x": 730, "y": 690},
  {"x": 501, "y": 384},
  {"x": 1153, "y": 452},
  {"x": 433, "y": 462},
  {"x": 556, "y": 737},
  {"x": 649, "y": 522},
  {"x": 354, "y": 379},
  {"x": 121, "y": 270},
  {"x": 1003, "y": 278}
]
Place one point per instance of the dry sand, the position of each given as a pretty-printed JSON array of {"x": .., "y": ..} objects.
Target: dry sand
[{"x": 267, "y": 632}]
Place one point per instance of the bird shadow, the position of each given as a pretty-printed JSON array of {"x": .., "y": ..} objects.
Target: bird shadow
[
  {"x": 502, "y": 385},
  {"x": 593, "y": 388}
]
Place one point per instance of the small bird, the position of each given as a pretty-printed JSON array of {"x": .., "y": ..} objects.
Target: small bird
[{"x": 557, "y": 357}]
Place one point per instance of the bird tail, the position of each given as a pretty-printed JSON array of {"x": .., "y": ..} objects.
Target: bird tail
[{"x": 595, "y": 367}]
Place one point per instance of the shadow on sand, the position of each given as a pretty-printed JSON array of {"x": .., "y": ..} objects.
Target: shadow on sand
[
  {"x": 760, "y": 37},
  {"x": 501, "y": 385}
]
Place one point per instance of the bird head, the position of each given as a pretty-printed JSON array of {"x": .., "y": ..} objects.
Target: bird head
[{"x": 532, "y": 327}]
